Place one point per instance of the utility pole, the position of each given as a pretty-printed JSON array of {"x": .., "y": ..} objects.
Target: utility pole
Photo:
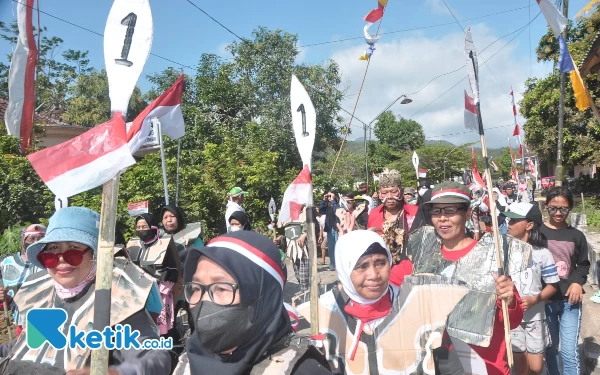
[{"x": 561, "y": 110}]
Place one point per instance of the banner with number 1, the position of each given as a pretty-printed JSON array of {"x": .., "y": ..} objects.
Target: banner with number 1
[{"x": 127, "y": 43}]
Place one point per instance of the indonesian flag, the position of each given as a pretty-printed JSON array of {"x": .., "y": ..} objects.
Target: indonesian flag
[
  {"x": 476, "y": 175},
  {"x": 86, "y": 161},
  {"x": 296, "y": 195},
  {"x": 422, "y": 172},
  {"x": 21, "y": 79},
  {"x": 520, "y": 150},
  {"x": 375, "y": 14},
  {"x": 471, "y": 122},
  {"x": 517, "y": 131},
  {"x": 531, "y": 167},
  {"x": 494, "y": 166},
  {"x": 167, "y": 108}
]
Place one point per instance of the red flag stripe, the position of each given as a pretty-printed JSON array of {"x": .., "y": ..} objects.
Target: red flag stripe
[
  {"x": 470, "y": 104},
  {"x": 253, "y": 254},
  {"x": 171, "y": 97},
  {"x": 375, "y": 14},
  {"x": 80, "y": 150}
]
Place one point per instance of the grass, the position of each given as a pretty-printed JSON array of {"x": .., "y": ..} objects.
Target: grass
[{"x": 591, "y": 211}]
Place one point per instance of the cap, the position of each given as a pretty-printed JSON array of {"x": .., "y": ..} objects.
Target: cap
[
  {"x": 523, "y": 210},
  {"x": 409, "y": 190},
  {"x": 450, "y": 192},
  {"x": 236, "y": 192}
]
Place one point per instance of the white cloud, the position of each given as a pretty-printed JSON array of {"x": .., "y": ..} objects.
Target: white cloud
[{"x": 404, "y": 65}]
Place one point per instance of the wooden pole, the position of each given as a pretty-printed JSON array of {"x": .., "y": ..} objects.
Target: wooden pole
[
  {"x": 104, "y": 270},
  {"x": 496, "y": 232},
  {"x": 314, "y": 286}
]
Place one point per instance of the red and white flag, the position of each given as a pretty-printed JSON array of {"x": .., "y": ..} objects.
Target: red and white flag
[
  {"x": 556, "y": 20},
  {"x": 167, "y": 108},
  {"x": 476, "y": 175},
  {"x": 422, "y": 172},
  {"x": 517, "y": 131},
  {"x": 86, "y": 161},
  {"x": 471, "y": 122},
  {"x": 494, "y": 166},
  {"x": 21, "y": 78},
  {"x": 296, "y": 195}
]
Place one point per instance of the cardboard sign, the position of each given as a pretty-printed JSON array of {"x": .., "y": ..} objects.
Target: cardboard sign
[{"x": 137, "y": 208}]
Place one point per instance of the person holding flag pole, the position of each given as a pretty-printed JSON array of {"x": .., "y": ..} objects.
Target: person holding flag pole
[{"x": 473, "y": 74}]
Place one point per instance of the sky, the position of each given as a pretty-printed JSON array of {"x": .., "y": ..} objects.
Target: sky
[{"x": 420, "y": 40}]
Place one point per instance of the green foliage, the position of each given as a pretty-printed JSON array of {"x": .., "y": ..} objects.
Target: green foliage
[
  {"x": 238, "y": 133},
  {"x": 581, "y": 132},
  {"x": 24, "y": 196},
  {"x": 399, "y": 133},
  {"x": 10, "y": 241}
]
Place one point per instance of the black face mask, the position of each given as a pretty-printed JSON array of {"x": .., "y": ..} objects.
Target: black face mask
[
  {"x": 146, "y": 235},
  {"x": 221, "y": 328}
]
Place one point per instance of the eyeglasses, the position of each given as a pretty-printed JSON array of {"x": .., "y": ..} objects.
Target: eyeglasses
[
  {"x": 220, "y": 293},
  {"x": 74, "y": 257},
  {"x": 435, "y": 211},
  {"x": 554, "y": 210}
]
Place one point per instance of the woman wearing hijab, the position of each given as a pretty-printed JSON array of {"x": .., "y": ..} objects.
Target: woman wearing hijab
[
  {"x": 161, "y": 262},
  {"x": 68, "y": 253},
  {"x": 369, "y": 327},
  {"x": 173, "y": 224},
  {"x": 235, "y": 289},
  {"x": 238, "y": 220}
]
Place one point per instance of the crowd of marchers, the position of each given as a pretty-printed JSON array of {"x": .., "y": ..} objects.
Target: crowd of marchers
[{"x": 418, "y": 291}]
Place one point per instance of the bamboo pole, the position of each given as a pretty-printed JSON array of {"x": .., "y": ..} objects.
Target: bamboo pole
[
  {"x": 104, "y": 270},
  {"x": 496, "y": 232},
  {"x": 314, "y": 283}
]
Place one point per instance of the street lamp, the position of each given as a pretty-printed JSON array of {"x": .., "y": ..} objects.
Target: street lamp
[
  {"x": 406, "y": 100},
  {"x": 446, "y": 157}
]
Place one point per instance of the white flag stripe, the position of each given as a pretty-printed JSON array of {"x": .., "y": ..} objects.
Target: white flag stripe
[
  {"x": 171, "y": 122},
  {"x": 92, "y": 174},
  {"x": 555, "y": 18},
  {"x": 250, "y": 255}
]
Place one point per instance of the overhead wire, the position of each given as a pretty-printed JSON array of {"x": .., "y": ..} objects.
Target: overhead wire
[
  {"x": 457, "y": 83},
  {"x": 95, "y": 32},
  {"x": 412, "y": 29}
]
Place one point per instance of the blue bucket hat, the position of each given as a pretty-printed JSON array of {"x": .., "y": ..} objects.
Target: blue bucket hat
[{"x": 70, "y": 224}]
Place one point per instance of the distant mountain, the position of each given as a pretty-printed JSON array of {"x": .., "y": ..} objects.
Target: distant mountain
[{"x": 429, "y": 142}]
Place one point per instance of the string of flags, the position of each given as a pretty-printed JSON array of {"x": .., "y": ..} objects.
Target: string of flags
[
  {"x": 558, "y": 22},
  {"x": 373, "y": 16}
]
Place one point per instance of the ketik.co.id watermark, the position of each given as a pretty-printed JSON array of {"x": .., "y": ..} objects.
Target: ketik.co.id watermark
[{"x": 44, "y": 325}]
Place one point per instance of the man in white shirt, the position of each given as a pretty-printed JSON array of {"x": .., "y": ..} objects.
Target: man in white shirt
[{"x": 236, "y": 200}]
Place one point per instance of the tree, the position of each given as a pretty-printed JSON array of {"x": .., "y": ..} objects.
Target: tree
[
  {"x": 504, "y": 163},
  {"x": 581, "y": 131},
  {"x": 399, "y": 133},
  {"x": 89, "y": 105}
]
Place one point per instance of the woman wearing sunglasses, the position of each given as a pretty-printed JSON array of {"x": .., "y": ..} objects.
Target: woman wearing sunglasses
[
  {"x": 68, "y": 253},
  {"x": 570, "y": 250},
  {"x": 234, "y": 286}
]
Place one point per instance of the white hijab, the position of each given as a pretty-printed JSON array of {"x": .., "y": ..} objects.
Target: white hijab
[{"x": 348, "y": 250}]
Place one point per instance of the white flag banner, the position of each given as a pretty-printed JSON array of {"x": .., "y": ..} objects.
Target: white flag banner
[
  {"x": 472, "y": 65},
  {"x": 415, "y": 161},
  {"x": 127, "y": 42},
  {"x": 304, "y": 119}
]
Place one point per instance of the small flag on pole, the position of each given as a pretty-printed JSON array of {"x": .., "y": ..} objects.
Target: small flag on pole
[
  {"x": 471, "y": 122},
  {"x": 296, "y": 195},
  {"x": 494, "y": 166}
]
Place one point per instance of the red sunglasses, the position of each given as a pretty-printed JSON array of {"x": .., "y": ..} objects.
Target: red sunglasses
[{"x": 72, "y": 257}]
